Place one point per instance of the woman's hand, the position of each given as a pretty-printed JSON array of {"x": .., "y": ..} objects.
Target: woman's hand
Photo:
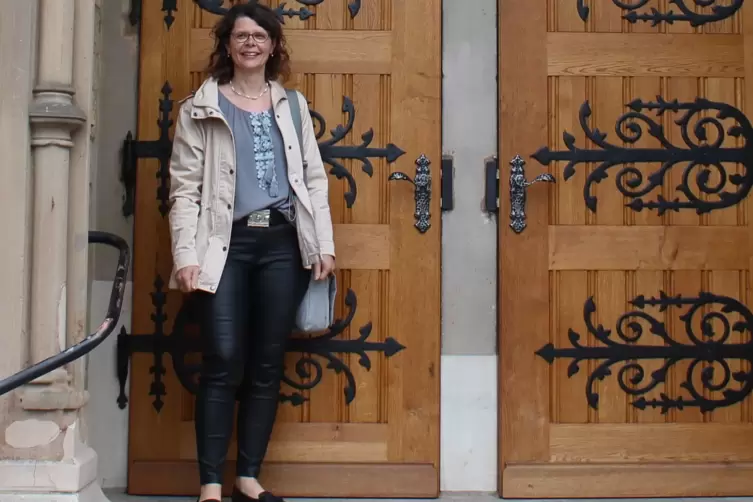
[
  {"x": 324, "y": 268},
  {"x": 188, "y": 278}
]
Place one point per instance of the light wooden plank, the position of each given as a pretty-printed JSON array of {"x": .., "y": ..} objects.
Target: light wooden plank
[
  {"x": 326, "y": 400},
  {"x": 362, "y": 247},
  {"x": 310, "y": 442},
  {"x": 362, "y": 52},
  {"x": 580, "y": 247},
  {"x": 524, "y": 294},
  {"x": 627, "y": 480},
  {"x": 414, "y": 284},
  {"x": 638, "y": 54},
  {"x": 347, "y": 433},
  {"x": 707, "y": 442},
  {"x": 330, "y": 480},
  {"x": 371, "y": 93}
]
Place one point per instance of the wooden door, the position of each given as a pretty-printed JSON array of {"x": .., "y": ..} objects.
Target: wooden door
[
  {"x": 360, "y": 412},
  {"x": 625, "y": 320}
]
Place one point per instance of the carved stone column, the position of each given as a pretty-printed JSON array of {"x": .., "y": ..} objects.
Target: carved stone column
[
  {"x": 53, "y": 116},
  {"x": 44, "y": 437},
  {"x": 17, "y": 52}
]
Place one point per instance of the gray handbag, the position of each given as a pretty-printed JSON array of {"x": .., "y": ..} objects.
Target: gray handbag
[{"x": 317, "y": 310}]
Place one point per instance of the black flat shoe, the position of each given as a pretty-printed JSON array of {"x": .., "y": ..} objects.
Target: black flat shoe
[{"x": 239, "y": 496}]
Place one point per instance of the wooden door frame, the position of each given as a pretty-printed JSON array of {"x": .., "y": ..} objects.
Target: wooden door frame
[{"x": 525, "y": 278}]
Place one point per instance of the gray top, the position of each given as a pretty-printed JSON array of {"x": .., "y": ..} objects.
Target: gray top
[{"x": 261, "y": 180}]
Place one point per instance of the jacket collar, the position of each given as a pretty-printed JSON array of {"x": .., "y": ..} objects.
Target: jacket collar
[{"x": 207, "y": 97}]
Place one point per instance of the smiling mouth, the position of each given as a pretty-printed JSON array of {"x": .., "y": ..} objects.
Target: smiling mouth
[{"x": 250, "y": 54}]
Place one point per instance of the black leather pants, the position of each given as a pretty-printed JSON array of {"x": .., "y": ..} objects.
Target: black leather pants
[{"x": 245, "y": 327}]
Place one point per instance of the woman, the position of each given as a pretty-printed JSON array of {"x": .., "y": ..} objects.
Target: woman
[{"x": 250, "y": 222}]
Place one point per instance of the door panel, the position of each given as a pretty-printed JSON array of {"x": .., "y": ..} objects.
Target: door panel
[
  {"x": 625, "y": 316},
  {"x": 360, "y": 401}
]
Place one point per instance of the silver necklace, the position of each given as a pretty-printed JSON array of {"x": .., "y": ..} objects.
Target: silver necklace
[{"x": 266, "y": 88}]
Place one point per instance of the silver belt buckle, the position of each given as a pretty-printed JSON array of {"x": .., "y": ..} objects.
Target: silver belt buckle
[{"x": 258, "y": 219}]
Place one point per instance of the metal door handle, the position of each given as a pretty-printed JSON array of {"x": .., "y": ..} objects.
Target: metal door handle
[
  {"x": 518, "y": 185},
  {"x": 422, "y": 184}
]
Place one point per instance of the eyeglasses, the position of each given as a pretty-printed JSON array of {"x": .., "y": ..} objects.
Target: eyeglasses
[{"x": 242, "y": 37}]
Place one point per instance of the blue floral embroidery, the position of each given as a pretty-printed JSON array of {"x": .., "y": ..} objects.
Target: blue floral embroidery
[{"x": 264, "y": 154}]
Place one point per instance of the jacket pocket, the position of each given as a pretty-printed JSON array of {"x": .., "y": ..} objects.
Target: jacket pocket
[
  {"x": 213, "y": 263},
  {"x": 203, "y": 225}
]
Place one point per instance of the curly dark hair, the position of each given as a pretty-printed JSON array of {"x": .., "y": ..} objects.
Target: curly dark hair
[{"x": 221, "y": 65}]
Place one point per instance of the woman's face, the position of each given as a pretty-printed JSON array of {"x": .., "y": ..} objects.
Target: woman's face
[{"x": 250, "y": 45}]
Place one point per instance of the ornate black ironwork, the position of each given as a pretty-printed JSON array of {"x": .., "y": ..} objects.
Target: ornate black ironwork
[
  {"x": 703, "y": 154},
  {"x": 309, "y": 370},
  {"x": 707, "y": 351},
  {"x": 354, "y": 7},
  {"x": 687, "y": 12},
  {"x": 422, "y": 192},
  {"x": 326, "y": 348},
  {"x": 303, "y": 13},
  {"x": 331, "y": 153},
  {"x": 330, "y": 150},
  {"x": 216, "y": 7},
  {"x": 157, "y": 343},
  {"x": 168, "y": 7},
  {"x": 159, "y": 149},
  {"x": 518, "y": 186}
]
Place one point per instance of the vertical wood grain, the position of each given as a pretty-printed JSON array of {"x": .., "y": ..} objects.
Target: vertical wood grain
[
  {"x": 523, "y": 276},
  {"x": 415, "y": 279},
  {"x": 524, "y": 87},
  {"x": 745, "y": 90},
  {"x": 402, "y": 106}
]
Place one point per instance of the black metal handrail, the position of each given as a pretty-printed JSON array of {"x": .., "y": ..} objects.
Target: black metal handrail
[{"x": 93, "y": 340}]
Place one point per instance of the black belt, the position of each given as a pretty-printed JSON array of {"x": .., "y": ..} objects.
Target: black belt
[{"x": 262, "y": 219}]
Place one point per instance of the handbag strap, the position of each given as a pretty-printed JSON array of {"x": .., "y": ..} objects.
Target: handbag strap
[{"x": 295, "y": 112}]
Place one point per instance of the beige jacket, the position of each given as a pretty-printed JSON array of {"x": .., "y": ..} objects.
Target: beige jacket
[{"x": 202, "y": 184}]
